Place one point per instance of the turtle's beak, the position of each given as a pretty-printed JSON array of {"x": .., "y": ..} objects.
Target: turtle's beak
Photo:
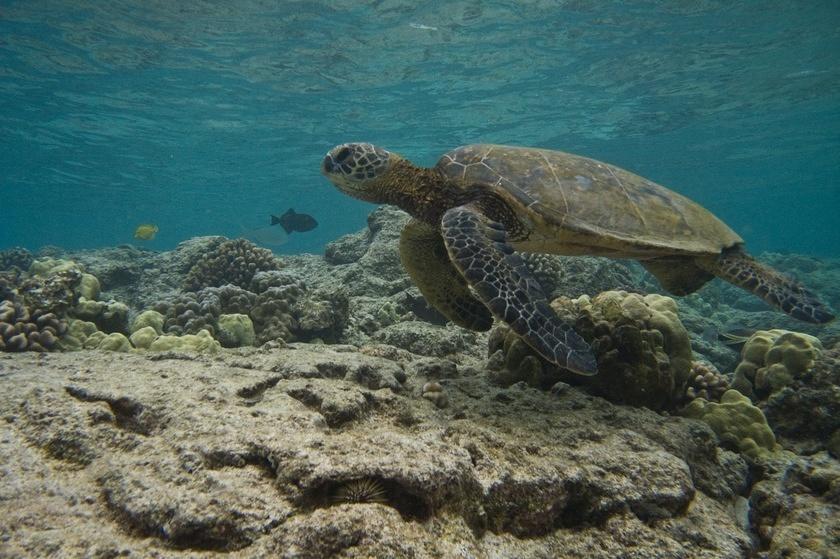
[
  {"x": 332, "y": 162},
  {"x": 327, "y": 165}
]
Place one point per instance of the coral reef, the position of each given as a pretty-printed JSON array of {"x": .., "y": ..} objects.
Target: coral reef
[
  {"x": 15, "y": 257},
  {"x": 202, "y": 342},
  {"x": 56, "y": 292},
  {"x": 706, "y": 382},
  {"x": 188, "y": 313},
  {"x": 148, "y": 319},
  {"x": 805, "y": 413},
  {"x": 109, "y": 316},
  {"x": 738, "y": 423},
  {"x": 278, "y": 304},
  {"x": 643, "y": 351},
  {"x": 114, "y": 342},
  {"x": 371, "y": 258},
  {"x": 21, "y": 330},
  {"x": 78, "y": 331},
  {"x": 142, "y": 338},
  {"x": 792, "y": 508},
  {"x": 139, "y": 278},
  {"x": 422, "y": 338},
  {"x": 272, "y": 313},
  {"x": 89, "y": 287},
  {"x": 572, "y": 276},
  {"x": 773, "y": 359},
  {"x": 48, "y": 266},
  {"x": 235, "y": 330},
  {"x": 33, "y": 307},
  {"x": 232, "y": 262},
  {"x": 344, "y": 450}
]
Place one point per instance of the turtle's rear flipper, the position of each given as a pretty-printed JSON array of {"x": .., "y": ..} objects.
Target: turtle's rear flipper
[
  {"x": 739, "y": 268},
  {"x": 424, "y": 257},
  {"x": 478, "y": 248}
]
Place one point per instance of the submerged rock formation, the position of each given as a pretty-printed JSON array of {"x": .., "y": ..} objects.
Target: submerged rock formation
[
  {"x": 254, "y": 453},
  {"x": 400, "y": 439}
]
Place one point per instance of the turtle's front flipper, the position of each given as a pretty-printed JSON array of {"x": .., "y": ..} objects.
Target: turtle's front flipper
[
  {"x": 424, "y": 257},
  {"x": 739, "y": 268},
  {"x": 478, "y": 248}
]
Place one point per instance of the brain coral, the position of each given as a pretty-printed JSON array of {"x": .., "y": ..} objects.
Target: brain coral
[
  {"x": 643, "y": 351},
  {"x": 231, "y": 262}
]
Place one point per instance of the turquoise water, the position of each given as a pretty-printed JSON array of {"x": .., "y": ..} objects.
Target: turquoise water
[{"x": 204, "y": 117}]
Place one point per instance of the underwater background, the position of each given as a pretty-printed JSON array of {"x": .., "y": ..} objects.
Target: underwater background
[{"x": 205, "y": 117}]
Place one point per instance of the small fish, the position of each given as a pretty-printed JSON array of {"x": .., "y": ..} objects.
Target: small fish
[
  {"x": 146, "y": 231},
  {"x": 421, "y": 26},
  {"x": 736, "y": 338},
  {"x": 266, "y": 236},
  {"x": 291, "y": 221}
]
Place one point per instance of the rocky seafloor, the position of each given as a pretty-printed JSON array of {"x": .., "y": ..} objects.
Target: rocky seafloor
[{"x": 218, "y": 400}]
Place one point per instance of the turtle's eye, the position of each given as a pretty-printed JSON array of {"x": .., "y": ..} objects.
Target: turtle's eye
[{"x": 342, "y": 154}]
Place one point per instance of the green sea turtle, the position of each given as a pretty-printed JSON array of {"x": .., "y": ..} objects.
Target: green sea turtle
[{"x": 481, "y": 203}]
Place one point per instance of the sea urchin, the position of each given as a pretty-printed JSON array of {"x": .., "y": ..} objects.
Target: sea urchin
[{"x": 363, "y": 490}]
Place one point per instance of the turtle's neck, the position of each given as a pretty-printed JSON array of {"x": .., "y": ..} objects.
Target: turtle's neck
[{"x": 424, "y": 193}]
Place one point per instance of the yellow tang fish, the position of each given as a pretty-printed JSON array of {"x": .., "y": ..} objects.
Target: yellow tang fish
[{"x": 146, "y": 231}]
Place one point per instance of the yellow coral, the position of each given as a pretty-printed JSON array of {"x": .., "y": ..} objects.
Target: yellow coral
[
  {"x": 201, "y": 342},
  {"x": 737, "y": 422},
  {"x": 114, "y": 342},
  {"x": 772, "y": 359},
  {"x": 143, "y": 337},
  {"x": 152, "y": 319},
  {"x": 48, "y": 266}
]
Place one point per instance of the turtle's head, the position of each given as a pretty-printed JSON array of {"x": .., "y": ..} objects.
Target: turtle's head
[{"x": 357, "y": 169}]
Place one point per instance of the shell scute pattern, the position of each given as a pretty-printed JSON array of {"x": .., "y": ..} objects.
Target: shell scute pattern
[{"x": 614, "y": 208}]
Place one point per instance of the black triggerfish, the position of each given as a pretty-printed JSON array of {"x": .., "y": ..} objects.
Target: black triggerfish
[{"x": 291, "y": 221}]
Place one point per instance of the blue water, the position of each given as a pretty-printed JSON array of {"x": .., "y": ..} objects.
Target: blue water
[{"x": 206, "y": 116}]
